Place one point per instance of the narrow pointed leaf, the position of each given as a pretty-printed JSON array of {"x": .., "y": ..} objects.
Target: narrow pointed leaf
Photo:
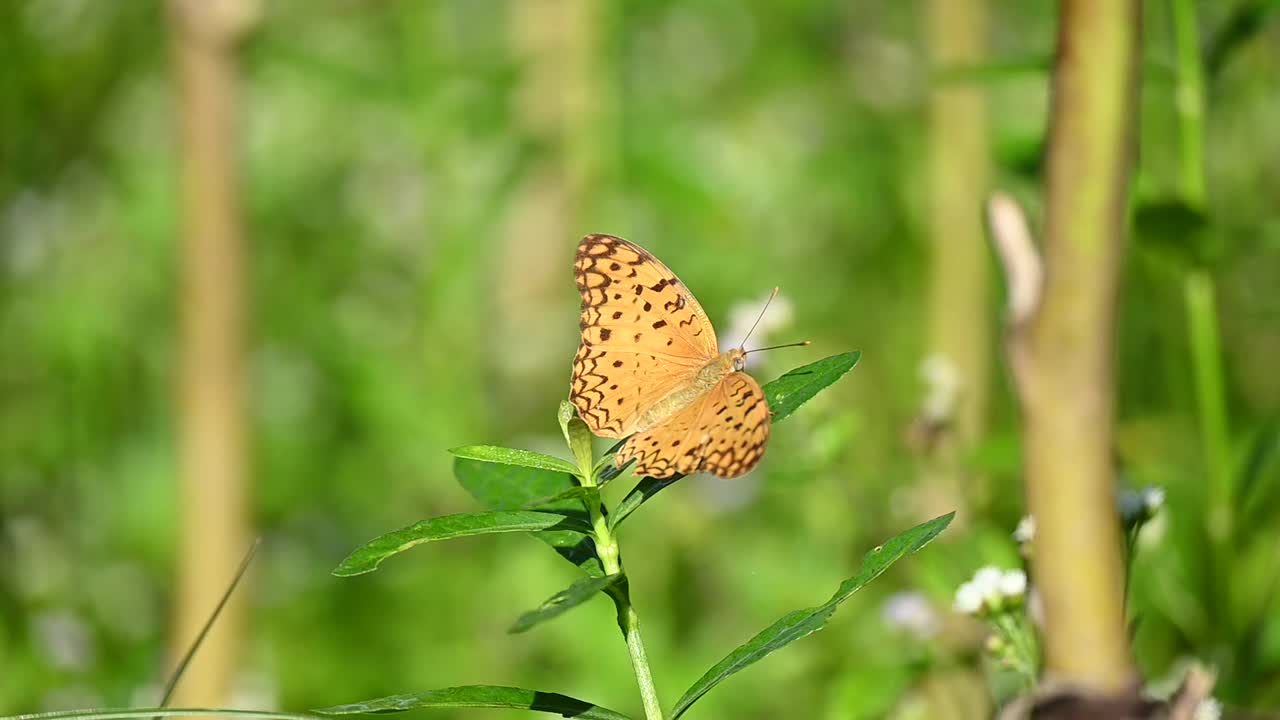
[
  {"x": 784, "y": 395},
  {"x": 605, "y": 468},
  {"x": 559, "y": 500},
  {"x": 1258, "y": 488},
  {"x": 367, "y": 557},
  {"x": 566, "y": 413},
  {"x": 580, "y": 438},
  {"x": 565, "y": 600},
  {"x": 508, "y": 487},
  {"x": 645, "y": 489},
  {"x": 156, "y": 712},
  {"x": 789, "y": 392},
  {"x": 512, "y": 456},
  {"x": 800, "y": 623},
  {"x": 480, "y": 696}
]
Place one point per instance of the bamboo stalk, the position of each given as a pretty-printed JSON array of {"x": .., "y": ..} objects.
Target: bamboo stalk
[
  {"x": 1061, "y": 343},
  {"x": 562, "y": 104},
  {"x": 959, "y": 326},
  {"x": 212, "y": 435}
]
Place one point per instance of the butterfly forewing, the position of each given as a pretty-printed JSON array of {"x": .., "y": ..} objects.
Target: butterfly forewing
[
  {"x": 643, "y": 334},
  {"x": 723, "y": 433}
]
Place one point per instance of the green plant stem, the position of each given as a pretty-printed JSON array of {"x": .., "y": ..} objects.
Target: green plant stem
[
  {"x": 1198, "y": 294},
  {"x": 1189, "y": 101},
  {"x": 1206, "y": 360},
  {"x": 162, "y": 712},
  {"x": 628, "y": 621},
  {"x": 1130, "y": 546},
  {"x": 630, "y": 624},
  {"x": 1022, "y": 646},
  {"x": 1026, "y": 648}
]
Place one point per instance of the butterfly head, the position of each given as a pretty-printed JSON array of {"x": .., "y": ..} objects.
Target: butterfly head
[{"x": 736, "y": 358}]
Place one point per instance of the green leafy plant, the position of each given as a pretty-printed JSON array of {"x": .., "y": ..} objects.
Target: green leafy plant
[{"x": 559, "y": 502}]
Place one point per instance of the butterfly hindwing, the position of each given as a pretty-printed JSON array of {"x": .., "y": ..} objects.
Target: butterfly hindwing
[
  {"x": 643, "y": 334},
  {"x": 723, "y": 433},
  {"x": 737, "y": 426}
]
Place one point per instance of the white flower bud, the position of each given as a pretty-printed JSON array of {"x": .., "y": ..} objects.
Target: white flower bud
[
  {"x": 1013, "y": 584},
  {"x": 969, "y": 599},
  {"x": 988, "y": 581}
]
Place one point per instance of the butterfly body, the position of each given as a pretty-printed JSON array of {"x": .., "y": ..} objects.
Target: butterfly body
[
  {"x": 707, "y": 378},
  {"x": 649, "y": 368}
]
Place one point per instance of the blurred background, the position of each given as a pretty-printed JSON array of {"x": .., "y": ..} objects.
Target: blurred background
[{"x": 408, "y": 181}]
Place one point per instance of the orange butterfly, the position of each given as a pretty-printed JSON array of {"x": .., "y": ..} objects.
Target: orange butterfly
[{"x": 649, "y": 367}]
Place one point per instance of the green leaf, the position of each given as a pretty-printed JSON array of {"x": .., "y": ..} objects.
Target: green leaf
[
  {"x": 1258, "y": 489},
  {"x": 480, "y": 696},
  {"x": 511, "y": 456},
  {"x": 800, "y": 623},
  {"x": 579, "y": 440},
  {"x": 155, "y": 712},
  {"x": 645, "y": 489},
  {"x": 789, "y": 392},
  {"x": 606, "y": 469},
  {"x": 509, "y": 487},
  {"x": 566, "y": 413},
  {"x": 563, "y": 601},
  {"x": 367, "y": 557},
  {"x": 558, "y": 501},
  {"x": 784, "y": 395}
]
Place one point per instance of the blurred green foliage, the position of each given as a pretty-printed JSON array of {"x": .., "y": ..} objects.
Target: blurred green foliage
[{"x": 386, "y": 153}]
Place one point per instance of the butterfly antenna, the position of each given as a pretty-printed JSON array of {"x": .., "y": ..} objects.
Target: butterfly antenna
[
  {"x": 772, "y": 295},
  {"x": 775, "y": 347},
  {"x": 172, "y": 684}
]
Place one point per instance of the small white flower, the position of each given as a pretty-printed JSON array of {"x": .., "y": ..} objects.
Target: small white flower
[
  {"x": 1152, "y": 499},
  {"x": 969, "y": 599},
  {"x": 989, "y": 590},
  {"x": 1013, "y": 584},
  {"x": 988, "y": 581},
  {"x": 913, "y": 612},
  {"x": 1208, "y": 709},
  {"x": 1026, "y": 530}
]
